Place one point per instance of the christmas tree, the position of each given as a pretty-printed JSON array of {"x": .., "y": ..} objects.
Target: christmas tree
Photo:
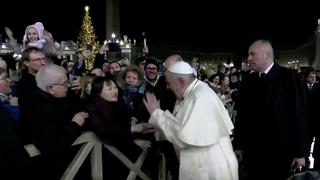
[{"x": 87, "y": 38}]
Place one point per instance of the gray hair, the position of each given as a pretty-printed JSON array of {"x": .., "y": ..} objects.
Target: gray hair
[{"x": 48, "y": 75}]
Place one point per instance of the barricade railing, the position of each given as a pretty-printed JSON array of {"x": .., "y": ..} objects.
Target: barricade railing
[{"x": 92, "y": 145}]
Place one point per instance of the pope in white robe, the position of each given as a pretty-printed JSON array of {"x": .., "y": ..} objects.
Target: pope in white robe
[{"x": 199, "y": 128}]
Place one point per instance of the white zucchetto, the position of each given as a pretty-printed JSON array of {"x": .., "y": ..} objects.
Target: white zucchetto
[{"x": 181, "y": 67}]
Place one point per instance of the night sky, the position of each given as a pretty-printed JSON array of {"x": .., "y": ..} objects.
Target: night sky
[{"x": 206, "y": 25}]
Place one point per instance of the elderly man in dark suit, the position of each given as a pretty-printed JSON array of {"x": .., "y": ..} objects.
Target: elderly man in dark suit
[
  {"x": 55, "y": 121},
  {"x": 271, "y": 130}
]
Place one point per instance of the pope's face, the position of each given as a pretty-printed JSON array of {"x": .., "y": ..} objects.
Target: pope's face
[{"x": 174, "y": 84}]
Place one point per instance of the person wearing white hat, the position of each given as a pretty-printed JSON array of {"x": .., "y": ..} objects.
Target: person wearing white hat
[
  {"x": 199, "y": 126},
  {"x": 176, "y": 58},
  {"x": 36, "y": 36}
]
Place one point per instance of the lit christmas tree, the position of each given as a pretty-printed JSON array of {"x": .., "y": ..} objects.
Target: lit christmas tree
[{"x": 87, "y": 38}]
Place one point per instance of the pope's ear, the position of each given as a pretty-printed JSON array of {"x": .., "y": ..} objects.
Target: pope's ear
[{"x": 181, "y": 80}]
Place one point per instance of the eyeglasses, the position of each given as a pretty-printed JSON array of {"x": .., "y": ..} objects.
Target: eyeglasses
[
  {"x": 65, "y": 84},
  {"x": 151, "y": 69},
  {"x": 39, "y": 59}
]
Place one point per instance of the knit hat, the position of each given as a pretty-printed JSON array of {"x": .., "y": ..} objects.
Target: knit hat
[{"x": 39, "y": 28}]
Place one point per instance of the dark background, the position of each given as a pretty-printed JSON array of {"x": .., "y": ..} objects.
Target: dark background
[{"x": 208, "y": 25}]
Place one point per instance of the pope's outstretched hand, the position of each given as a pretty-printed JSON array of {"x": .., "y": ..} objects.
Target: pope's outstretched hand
[{"x": 151, "y": 102}]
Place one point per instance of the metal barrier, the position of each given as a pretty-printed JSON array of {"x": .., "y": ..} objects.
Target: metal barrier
[{"x": 92, "y": 144}]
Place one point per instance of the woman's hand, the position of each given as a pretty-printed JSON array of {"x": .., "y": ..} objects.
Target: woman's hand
[
  {"x": 143, "y": 128},
  {"x": 143, "y": 144}
]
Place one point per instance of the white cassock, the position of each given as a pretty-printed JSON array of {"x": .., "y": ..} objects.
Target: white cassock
[{"x": 199, "y": 128}]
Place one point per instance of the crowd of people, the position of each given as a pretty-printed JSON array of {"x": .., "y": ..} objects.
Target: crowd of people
[{"x": 160, "y": 107}]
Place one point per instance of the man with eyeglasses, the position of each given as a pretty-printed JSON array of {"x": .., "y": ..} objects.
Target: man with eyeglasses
[
  {"x": 56, "y": 123},
  {"x": 33, "y": 59},
  {"x": 156, "y": 84}
]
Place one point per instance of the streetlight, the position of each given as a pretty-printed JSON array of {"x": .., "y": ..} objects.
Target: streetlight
[
  {"x": 86, "y": 8},
  {"x": 113, "y": 35}
]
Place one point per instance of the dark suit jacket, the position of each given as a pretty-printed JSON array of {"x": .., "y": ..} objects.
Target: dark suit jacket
[
  {"x": 14, "y": 159},
  {"x": 272, "y": 125},
  {"x": 53, "y": 132},
  {"x": 26, "y": 92},
  {"x": 313, "y": 98}
]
